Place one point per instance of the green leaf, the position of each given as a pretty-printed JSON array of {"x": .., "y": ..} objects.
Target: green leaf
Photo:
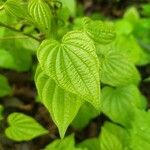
[
  {"x": 100, "y": 32},
  {"x": 118, "y": 131},
  {"x": 85, "y": 114},
  {"x": 113, "y": 137},
  {"x": 118, "y": 103},
  {"x": 116, "y": 69},
  {"x": 64, "y": 144},
  {"x": 132, "y": 15},
  {"x": 129, "y": 47},
  {"x": 73, "y": 64},
  {"x": 90, "y": 144},
  {"x": 109, "y": 141},
  {"x": 17, "y": 8},
  {"x": 146, "y": 9},
  {"x": 1, "y": 112},
  {"x": 4, "y": 86},
  {"x": 71, "y": 5},
  {"x": 23, "y": 127},
  {"x": 41, "y": 14},
  {"x": 6, "y": 59},
  {"x": 147, "y": 79},
  {"x": 140, "y": 132},
  {"x": 62, "y": 105},
  {"x": 144, "y": 102},
  {"x": 21, "y": 57},
  {"x": 123, "y": 27}
]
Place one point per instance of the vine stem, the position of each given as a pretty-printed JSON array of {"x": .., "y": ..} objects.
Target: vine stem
[{"x": 16, "y": 30}]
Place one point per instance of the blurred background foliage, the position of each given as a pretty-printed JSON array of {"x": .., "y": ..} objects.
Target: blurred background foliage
[{"x": 18, "y": 44}]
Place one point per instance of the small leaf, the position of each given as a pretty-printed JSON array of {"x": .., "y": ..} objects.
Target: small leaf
[
  {"x": 118, "y": 103},
  {"x": 116, "y": 69},
  {"x": 67, "y": 143},
  {"x": 71, "y": 5},
  {"x": 1, "y": 112},
  {"x": 132, "y": 15},
  {"x": 140, "y": 131},
  {"x": 128, "y": 46},
  {"x": 62, "y": 105},
  {"x": 146, "y": 9},
  {"x": 17, "y": 8},
  {"x": 85, "y": 114},
  {"x": 147, "y": 79},
  {"x": 41, "y": 14},
  {"x": 100, "y": 32},
  {"x": 73, "y": 64},
  {"x": 23, "y": 127},
  {"x": 90, "y": 144},
  {"x": 4, "y": 86},
  {"x": 6, "y": 59},
  {"x": 121, "y": 133}
]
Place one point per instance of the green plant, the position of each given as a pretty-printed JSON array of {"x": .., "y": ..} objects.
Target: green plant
[{"x": 85, "y": 67}]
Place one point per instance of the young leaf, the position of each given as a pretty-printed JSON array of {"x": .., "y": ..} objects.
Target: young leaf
[
  {"x": 118, "y": 103},
  {"x": 64, "y": 144},
  {"x": 17, "y": 8},
  {"x": 62, "y": 105},
  {"x": 85, "y": 114},
  {"x": 41, "y": 14},
  {"x": 100, "y": 32},
  {"x": 140, "y": 131},
  {"x": 4, "y": 86},
  {"x": 23, "y": 127},
  {"x": 73, "y": 64},
  {"x": 116, "y": 69}
]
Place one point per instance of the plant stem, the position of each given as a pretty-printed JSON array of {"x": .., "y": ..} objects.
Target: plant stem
[{"x": 16, "y": 30}]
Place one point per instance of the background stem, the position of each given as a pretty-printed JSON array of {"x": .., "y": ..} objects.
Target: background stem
[{"x": 16, "y": 30}]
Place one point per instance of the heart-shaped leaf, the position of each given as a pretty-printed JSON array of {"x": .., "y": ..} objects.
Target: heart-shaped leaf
[
  {"x": 100, "y": 32},
  {"x": 118, "y": 103},
  {"x": 23, "y": 127},
  {"x": 73, "y": 64},
  {"x": 116, "y": 69}
]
